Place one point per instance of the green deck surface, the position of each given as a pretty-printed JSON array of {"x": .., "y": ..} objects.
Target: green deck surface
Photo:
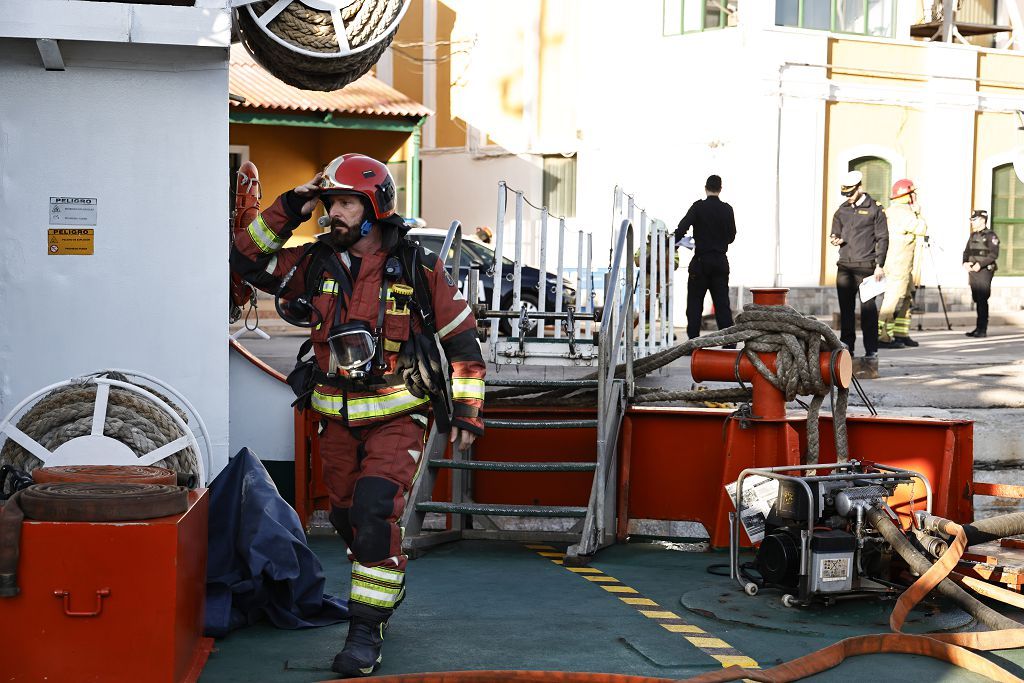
[{"x": 501, "y": 605}]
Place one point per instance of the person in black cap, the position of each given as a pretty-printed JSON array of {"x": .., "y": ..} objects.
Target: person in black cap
[
  {"x": 714, "y": 229},
  {"x": 980, "y": 256}
]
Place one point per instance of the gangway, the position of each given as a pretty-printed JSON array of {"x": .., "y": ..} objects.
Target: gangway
[{"x": 591, "y": 526}]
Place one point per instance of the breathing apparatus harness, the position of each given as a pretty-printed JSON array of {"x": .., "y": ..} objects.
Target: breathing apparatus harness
[{"x": 356, "y": 350}]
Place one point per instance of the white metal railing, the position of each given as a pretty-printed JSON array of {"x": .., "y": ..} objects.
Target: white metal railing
[
  {"x": 573, "y": 319},
  {"x": 615, "y": 343},
  {"x": 656, "y": 261}
]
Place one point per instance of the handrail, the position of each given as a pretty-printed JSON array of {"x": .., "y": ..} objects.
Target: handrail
[
  {"x": 249, "y": 356},
  {"x": 454, "y": 235},
  {"x": 616, "y": 334},
  {"x": 655, "y": 260}
]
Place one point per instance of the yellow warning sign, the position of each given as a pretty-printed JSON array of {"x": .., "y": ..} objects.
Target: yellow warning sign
[{"x": 70, "y": 241}]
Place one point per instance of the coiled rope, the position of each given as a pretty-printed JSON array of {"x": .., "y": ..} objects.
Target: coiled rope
[
  {"x": 67, "y": 412},
  {"x": 796, "y": 339},
  {"x": 365, "y": 21}
]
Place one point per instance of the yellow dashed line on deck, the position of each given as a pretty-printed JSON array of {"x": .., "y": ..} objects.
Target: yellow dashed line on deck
[{"x": 715, "y": 648}]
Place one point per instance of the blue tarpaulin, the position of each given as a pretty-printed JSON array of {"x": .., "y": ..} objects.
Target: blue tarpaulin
[{"x": 259, "y": 564}]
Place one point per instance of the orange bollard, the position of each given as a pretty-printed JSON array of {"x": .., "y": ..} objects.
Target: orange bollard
[{"x": 771, "y": 437}]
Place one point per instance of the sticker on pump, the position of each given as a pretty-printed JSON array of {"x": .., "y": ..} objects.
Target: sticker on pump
[{"x": 70, "y": 241}]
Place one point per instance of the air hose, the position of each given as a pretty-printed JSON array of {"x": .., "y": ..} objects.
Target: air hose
[
  {"x": 985, "y": 530},
  {"x": 920, "y": 564}
]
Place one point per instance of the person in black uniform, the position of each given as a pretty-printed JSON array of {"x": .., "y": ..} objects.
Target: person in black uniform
[
  {"x": 980, "y": 256},
  {"x": 861, "y": 232},
  {"x": 714, "y": 229}
]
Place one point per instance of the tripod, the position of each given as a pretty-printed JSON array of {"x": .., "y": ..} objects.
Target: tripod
[{"x": 938, "y": 286}]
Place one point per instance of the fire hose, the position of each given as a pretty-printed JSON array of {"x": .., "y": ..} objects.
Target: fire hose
[
  {"x": 136, "y": 421},
  {"x": 950, "y": 647},
  {"x": 89, "y": 501},
  {"x": 797, "y": 341}
]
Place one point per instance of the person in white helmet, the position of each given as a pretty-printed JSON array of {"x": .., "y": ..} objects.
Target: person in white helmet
[{"x": 860, "y": 231}]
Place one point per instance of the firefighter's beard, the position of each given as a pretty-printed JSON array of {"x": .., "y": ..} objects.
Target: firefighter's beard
[{"x": 342, "y": 236}]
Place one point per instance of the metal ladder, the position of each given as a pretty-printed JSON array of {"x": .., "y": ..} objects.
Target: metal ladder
[{"x": 594, "y": 524}]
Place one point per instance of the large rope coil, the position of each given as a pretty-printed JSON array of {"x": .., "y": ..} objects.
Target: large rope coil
[
  {"x": 298, "y": 42},
  {"x": 67, "y": 412},
  {"x": 797, "y": 340}
]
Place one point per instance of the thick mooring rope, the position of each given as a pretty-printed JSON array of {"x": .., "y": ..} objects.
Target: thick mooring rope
[
  {"x": 67, "y": 412},
  {"x": 796, "y": 339},
  {"x": 312, "y": 30}
]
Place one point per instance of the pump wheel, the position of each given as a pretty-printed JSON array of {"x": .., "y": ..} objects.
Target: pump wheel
[
  {"x": 789, "y": 600},
  {"x": 750, "y": 589}
]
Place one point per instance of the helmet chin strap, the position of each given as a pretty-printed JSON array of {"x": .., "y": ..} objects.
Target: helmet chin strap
[{"x": 365, "y": 228}]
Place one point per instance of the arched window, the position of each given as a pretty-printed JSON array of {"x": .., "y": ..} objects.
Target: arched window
[
  {"x": 877, "y": 177},
  {"x": 1007, "y": 219}
]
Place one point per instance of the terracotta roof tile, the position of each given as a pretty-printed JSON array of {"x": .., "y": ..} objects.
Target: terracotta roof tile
[{"x": 367, "y": 95}]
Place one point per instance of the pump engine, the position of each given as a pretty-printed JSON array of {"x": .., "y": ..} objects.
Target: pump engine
[{"x": 817, "y": 544}]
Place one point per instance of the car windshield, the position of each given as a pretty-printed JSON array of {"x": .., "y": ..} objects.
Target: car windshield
[
  {"x": 485, "y": 254},
  {"x": 471, "y": 251}
]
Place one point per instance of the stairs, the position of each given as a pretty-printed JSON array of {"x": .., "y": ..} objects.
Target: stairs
[
  {"x": 585, "y": 528},
  {"x": 590, "y": 526}
]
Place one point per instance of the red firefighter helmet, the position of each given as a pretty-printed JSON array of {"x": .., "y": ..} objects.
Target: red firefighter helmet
[
  {"x": 901, "y": 188},
  {"x": 360, "y": 175}
]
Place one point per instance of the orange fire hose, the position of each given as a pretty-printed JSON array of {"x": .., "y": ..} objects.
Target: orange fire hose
[
  {"x": 105, "y": 474},
  {"x": 948, "y": 647}
]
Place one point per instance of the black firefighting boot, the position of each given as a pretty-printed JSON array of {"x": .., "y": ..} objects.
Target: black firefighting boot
[
  {"x": 361, "y": 655},
  {"x": 907, "y": 341}
]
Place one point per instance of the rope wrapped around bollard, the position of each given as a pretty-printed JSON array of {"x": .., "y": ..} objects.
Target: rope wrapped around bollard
[
  {"x": 796, "y": 339},
  {"x": 79, "y": 502}
]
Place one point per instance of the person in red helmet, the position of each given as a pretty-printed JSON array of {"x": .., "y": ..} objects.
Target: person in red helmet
[
  {"x": 907, "y": 232},
  {"x": 374, "y": 303}
]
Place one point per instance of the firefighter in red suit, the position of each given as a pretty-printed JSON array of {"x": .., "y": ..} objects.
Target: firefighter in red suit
[{"x": 362, "y": 292}]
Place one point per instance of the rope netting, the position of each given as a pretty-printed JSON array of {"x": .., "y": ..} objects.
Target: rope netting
[
  {"x": 66, "y": 413},
  {"x": 798, "y": 341}
]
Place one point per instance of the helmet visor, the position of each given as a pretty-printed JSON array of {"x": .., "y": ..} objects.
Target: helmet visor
[{"x": 351, "y": 348}]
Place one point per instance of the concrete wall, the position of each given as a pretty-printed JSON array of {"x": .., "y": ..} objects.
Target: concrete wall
[{"x": 143, "y": 129}]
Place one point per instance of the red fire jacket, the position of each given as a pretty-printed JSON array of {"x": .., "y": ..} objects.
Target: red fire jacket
[{"x": 257, "y": 255}]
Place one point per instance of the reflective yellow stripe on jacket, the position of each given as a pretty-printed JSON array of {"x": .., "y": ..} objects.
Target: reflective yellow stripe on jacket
[
  {"x": 367, "y": 407},
  {"x": 467, "y": 387},
  {"x": 263, "y": 237}
]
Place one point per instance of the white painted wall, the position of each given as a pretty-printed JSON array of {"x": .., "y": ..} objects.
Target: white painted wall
[
  {"x": 142, "y": 128},
  {"x": 259, "y": 420}
]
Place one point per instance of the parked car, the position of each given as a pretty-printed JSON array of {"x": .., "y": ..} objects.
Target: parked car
[{"x": 476, "y": 254}]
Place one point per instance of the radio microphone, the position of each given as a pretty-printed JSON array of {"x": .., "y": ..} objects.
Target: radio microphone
[{"x": 324, "y": 221}]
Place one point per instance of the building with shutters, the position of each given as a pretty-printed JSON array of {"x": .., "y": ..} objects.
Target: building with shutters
[{"x": 565, "y": 99}]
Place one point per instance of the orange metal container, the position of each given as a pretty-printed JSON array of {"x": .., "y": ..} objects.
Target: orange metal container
[{"x": 112, "y": 602}]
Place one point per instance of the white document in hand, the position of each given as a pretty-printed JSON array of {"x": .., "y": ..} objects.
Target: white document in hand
[{"x": 870, "y": 288}]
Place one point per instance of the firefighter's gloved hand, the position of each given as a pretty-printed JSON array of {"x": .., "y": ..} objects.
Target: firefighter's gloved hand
[
  {"x": 408, "y": 368},
  {"x": 428, "y": 362}
]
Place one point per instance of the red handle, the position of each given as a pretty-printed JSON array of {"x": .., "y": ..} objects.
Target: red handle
[{"x": 66, "y": 595}]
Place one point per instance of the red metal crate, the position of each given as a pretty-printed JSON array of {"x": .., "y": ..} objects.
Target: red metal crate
[{"x": 115, "y": 601}]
